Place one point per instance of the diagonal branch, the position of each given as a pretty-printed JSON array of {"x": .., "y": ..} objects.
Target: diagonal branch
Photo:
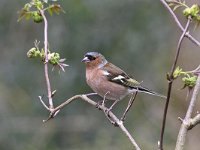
[{"x": 170, "y": 82}]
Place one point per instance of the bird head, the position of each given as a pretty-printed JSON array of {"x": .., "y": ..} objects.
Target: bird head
[{"x": 94, "y": 59}]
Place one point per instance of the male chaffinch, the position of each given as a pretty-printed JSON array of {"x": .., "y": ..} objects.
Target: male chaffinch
[{"x": 108, "y": 80}]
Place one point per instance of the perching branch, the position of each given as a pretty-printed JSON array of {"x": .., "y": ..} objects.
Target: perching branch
[
  {"x": 85, "y": 98},
  {"x": 170, "y": 82},
  {"x": 188, "y": 122}
]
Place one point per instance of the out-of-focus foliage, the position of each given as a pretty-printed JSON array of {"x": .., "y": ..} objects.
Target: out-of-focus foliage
[
  {"x": 31, "y": 10},
  {"x": 137, "y": 35},
  {"x": 192, "y": 11}
]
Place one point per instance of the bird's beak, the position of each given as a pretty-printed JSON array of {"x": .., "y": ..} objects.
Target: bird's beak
[{"x": 85, "y": 59}]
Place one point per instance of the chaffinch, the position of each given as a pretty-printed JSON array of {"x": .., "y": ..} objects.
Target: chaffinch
[{"x": 108, "y": 80}]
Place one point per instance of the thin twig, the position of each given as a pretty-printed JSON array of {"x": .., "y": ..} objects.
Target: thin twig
[
  {"x": 187, "y": 34},
  {"x": 130, "y": 103},
  {"x": 46, "y": 60},
  {"x": 195, "y": 71},
  {"x": 170, "y": 80},
  {"x": 187, "y": 122},
  {"x": 40, "y": 98}
]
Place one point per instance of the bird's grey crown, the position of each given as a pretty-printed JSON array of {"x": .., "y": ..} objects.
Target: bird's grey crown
[{"x": 94, "y": 54}]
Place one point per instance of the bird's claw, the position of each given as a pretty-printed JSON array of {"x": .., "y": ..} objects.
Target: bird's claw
[
  {"x": 107, "y": 111},
  {"x": 98, "y": 105}
]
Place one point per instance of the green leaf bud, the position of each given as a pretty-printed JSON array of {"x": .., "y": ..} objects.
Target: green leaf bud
[
  {"x": 39, "y": 5},
  {"x": 187, "y": 12},
  {"x": 177, "y": 72},
  {"x": 37, "y": 17},
  {"x": 33, "y": 53},
  {"x": 194, "y": 10},
  {"x": 190, "y": 81},
  {"x": 54, "y": 58}
]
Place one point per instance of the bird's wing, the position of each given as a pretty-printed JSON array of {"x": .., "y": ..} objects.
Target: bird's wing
[{"x": 117, "y": 75}]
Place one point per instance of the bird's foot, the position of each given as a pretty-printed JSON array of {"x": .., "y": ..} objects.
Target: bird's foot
[
  {"x": 99, "y": 103},
  {"x": 107, "y": 111}
]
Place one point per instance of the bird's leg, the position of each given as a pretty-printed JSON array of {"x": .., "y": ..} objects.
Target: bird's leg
[
  {"x": 102, "y": 102},
  {"x": 130, "y": 103},
  {"x": 107, "y": 113},
  {"x": 104, "y": 98},
  {"x": 115, "y": 102}
]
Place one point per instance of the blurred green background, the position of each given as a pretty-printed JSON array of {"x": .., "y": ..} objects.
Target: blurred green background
[{"x": 137, "y": 35}]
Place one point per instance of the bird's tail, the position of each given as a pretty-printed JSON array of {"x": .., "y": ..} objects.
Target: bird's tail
[{"x": 146, "y": 90}]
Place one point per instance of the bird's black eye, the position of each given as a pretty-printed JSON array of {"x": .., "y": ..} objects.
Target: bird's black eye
[{"x": 91, "y": 58}]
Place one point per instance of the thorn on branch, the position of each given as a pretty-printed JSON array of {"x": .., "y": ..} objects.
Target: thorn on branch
[
  {"x": 180, "y": 119},
  {"x": 53, "y": 93}
]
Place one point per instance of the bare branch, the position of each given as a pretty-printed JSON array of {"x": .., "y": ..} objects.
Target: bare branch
[
  {"x": 188, "y": 123},
  {"x": 46, "y": 60},
  {"x": 187, "y": 34},
  {"x": 170, "y": 80}
]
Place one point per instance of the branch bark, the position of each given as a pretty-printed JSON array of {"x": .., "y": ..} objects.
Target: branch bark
[
  {"x": 46, "y": 60},
  {"x": 187, "y": 122},
  {"x": 170, "y": 80}
]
